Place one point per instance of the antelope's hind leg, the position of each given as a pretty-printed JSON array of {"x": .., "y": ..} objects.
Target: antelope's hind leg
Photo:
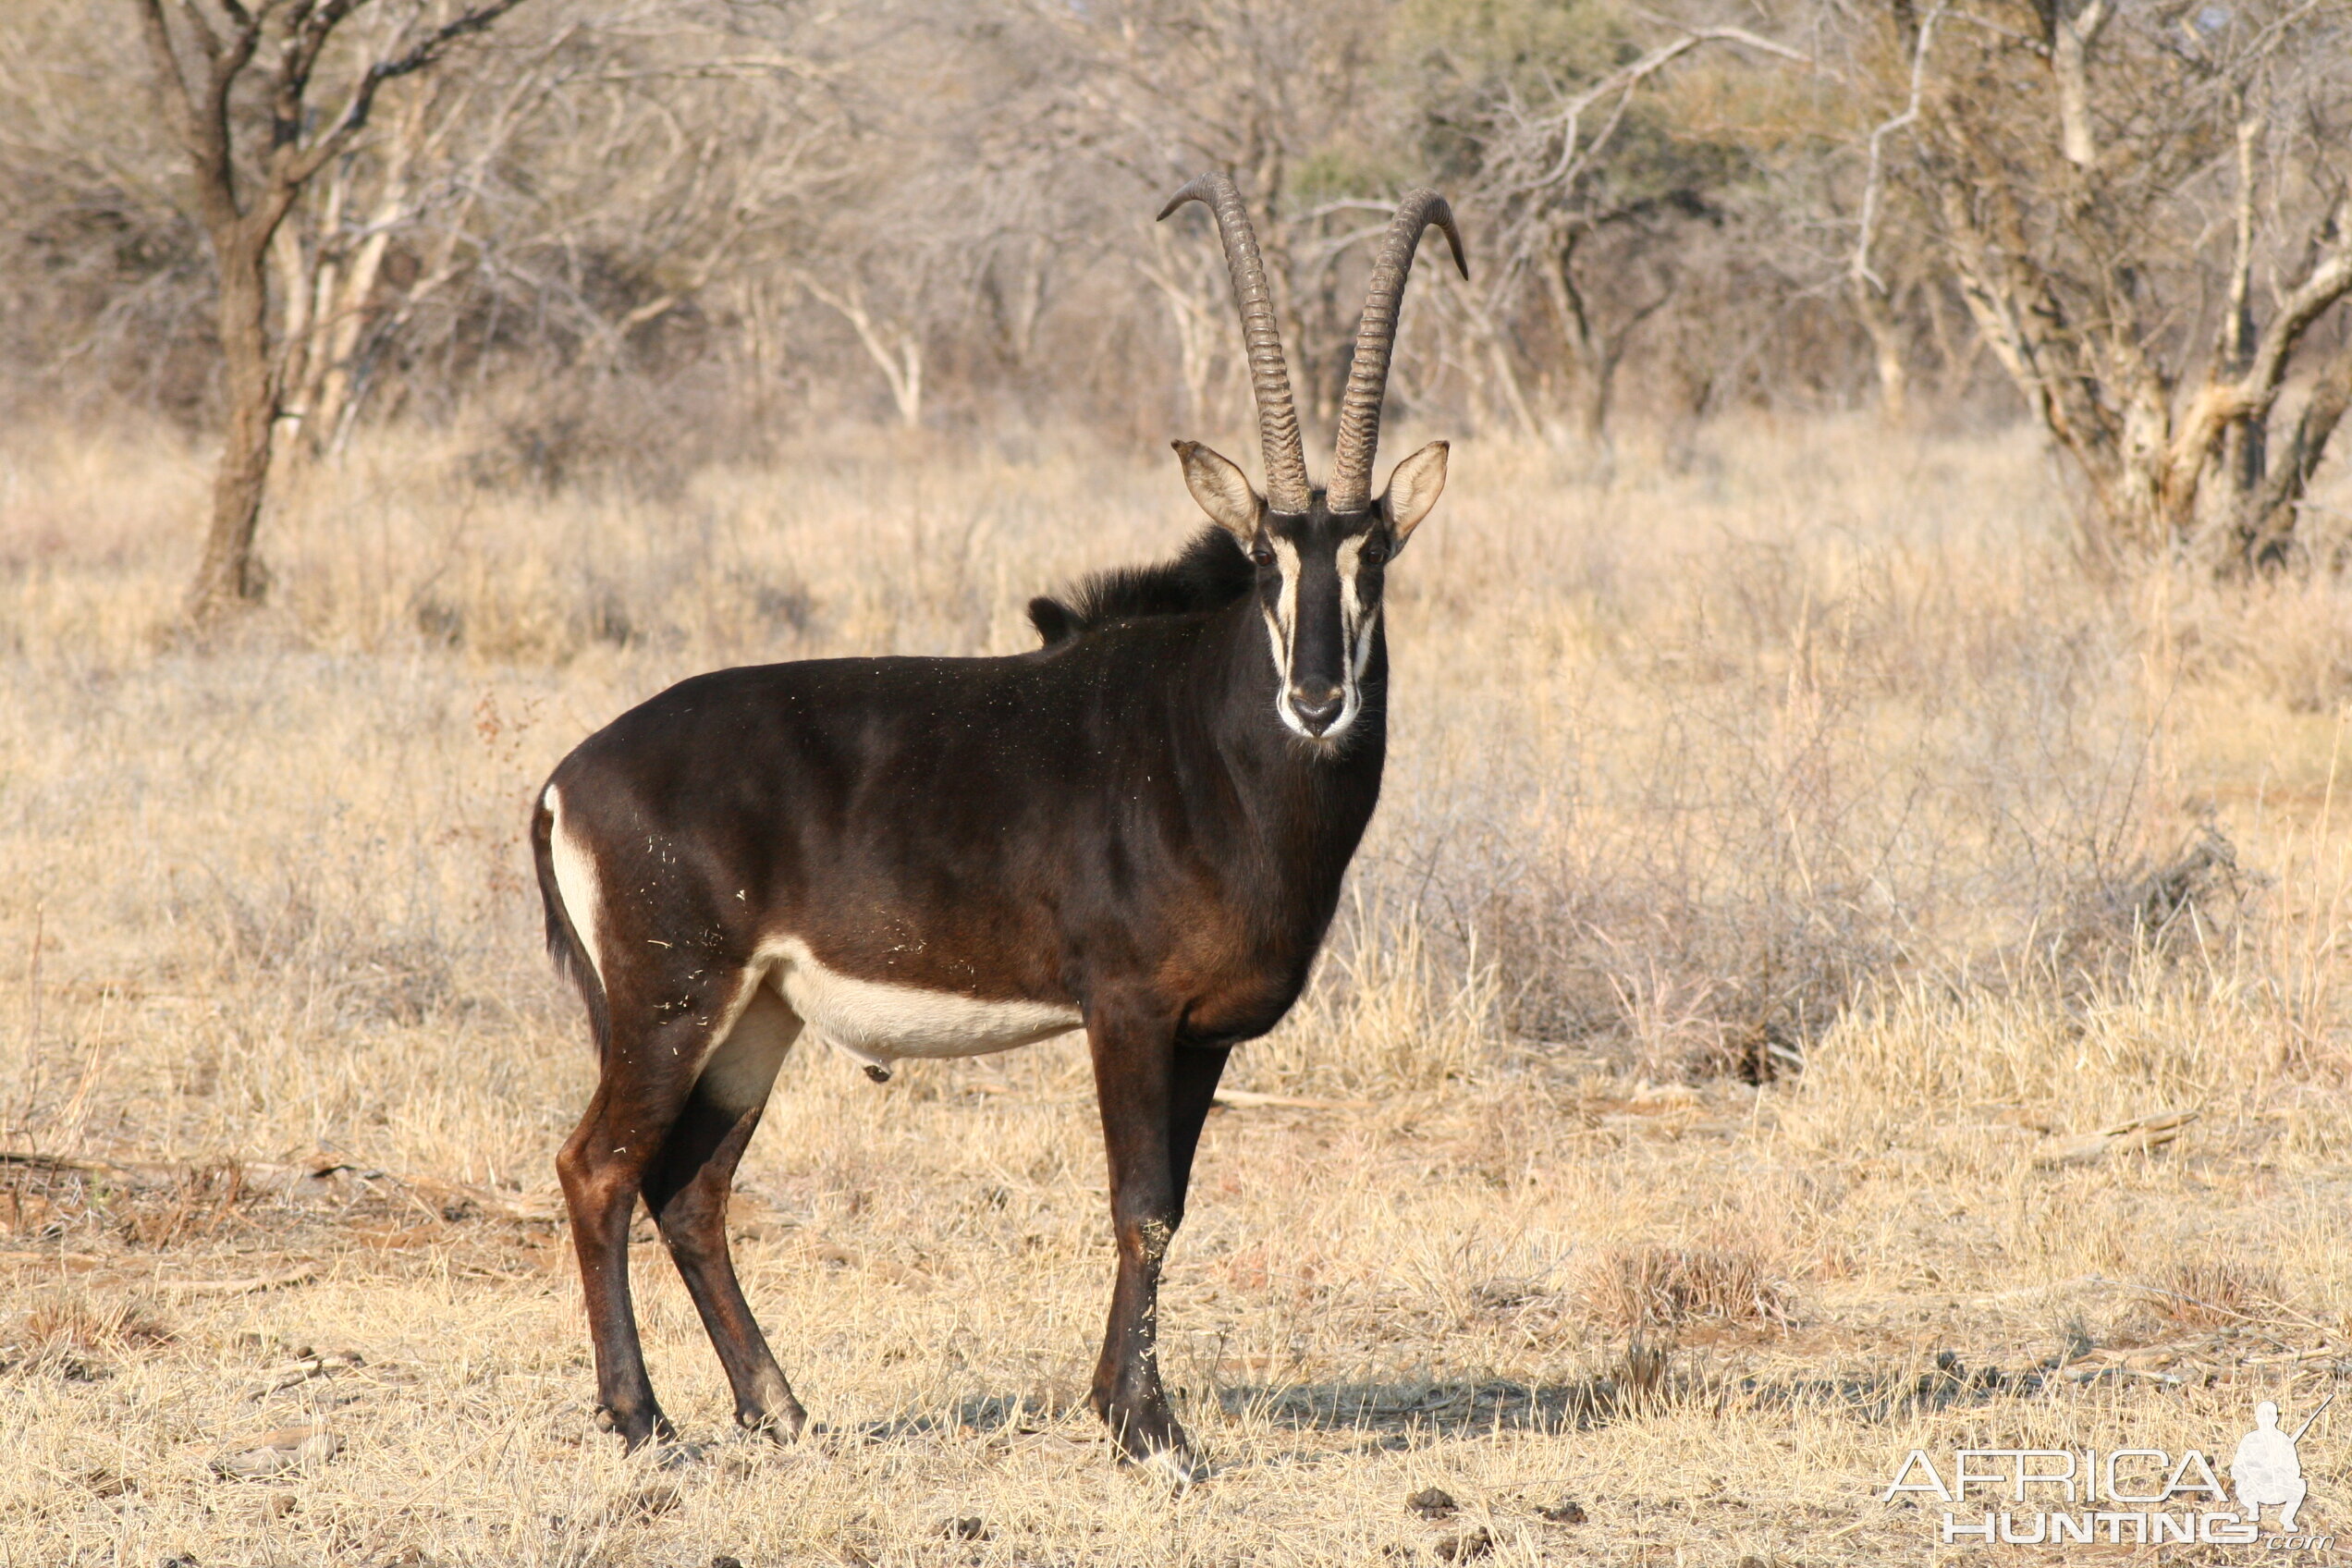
[
  {"x": 687, "y": 1190},
  {"x": 663, "y": 1027}
]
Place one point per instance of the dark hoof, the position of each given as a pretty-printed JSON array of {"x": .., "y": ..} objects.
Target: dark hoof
[
  {"x": 1149, "y": 1439},
  {"x": 782, "y": 1428},
  {"x": 1179, "y": 1467},
  {"x": 636, "y": 1430}
]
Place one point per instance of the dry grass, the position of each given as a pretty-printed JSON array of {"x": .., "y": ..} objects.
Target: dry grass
[
  {"x": 2215, "y": 1292},
  {"x": 1796, "y": 747},
  {"x": 1640, "y": 1291}
]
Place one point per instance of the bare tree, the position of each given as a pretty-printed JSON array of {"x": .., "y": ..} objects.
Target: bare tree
[
  {"x": 602, "y": 247},
  {"x": 1543, "y": 186},
  {"x": 255, "y": 142},
  {"x": 2092, "y": 173},
  {"x": 1156, "y": 90},
  {"x": 895, "y": 347}
]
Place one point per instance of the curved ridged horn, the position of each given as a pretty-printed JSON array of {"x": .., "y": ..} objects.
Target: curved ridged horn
[
  {"x": 1278, "y": 426},
  {"x": 1367, "y": 383}
]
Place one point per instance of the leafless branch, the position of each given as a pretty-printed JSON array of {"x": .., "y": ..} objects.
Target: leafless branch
[
  {"x": 1874, "y": 181},
  {"x": 417, "y": 58}
]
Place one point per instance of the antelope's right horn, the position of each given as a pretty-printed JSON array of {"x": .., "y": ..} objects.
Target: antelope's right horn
[{"x": 1278, "y": 426}]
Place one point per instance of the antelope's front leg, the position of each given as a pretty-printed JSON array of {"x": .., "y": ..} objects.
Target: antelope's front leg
[{"x": 1154, "y": 1096}]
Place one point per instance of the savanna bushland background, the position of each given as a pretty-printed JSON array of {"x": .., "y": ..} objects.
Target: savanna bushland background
[{"x": 1850, "y": 958}]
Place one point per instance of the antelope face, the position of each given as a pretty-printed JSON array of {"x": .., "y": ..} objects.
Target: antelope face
[{"x": 1319, "y": 578}]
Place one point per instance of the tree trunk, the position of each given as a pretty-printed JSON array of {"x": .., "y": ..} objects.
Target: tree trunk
[
  {"x": 903, "y": 369},
  {"x": 230, "y": 578},
  {"x": 1506, "y": 374},
  {"x": 1877, "y": 313},
  {"x": 323, "y": 409},
  {"x": 243, "y": 200},
  {"x": 1588, "y": 368},
  {"x": 2266, "y": 525},
  {"x": 325, "y": 295}
]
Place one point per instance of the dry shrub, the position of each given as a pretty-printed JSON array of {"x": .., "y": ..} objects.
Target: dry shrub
[
  {"x": 2284, "y": 635},
  {"x": 62, "y": 1334},
  {"x": 1677, "y": 981},
  {"x": 2215, "y": 1292},
  {"x": 1735, "y": 770},
  {"x": 2097, "y": 1054},
  {"x": 2181, "y": 908},
  {"x": 340, "y": 957},
  {"x": 202, "y": 1198},
  {"x": 1639, "y": 1290}
]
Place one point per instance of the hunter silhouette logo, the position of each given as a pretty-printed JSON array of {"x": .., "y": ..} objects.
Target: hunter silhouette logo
[
  {"x": 2135, "y": 1496},
  {"x": 2265, "y": 1469}
]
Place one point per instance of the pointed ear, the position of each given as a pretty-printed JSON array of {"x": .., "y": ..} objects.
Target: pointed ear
[
  {"x": 1414, "y": 487},
  {"x": 1053, "y": 620},
  {"x": 1222, "y": 490}
]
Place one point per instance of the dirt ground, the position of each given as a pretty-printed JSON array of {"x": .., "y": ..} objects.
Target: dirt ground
[{"x": 1833, "y": 978}]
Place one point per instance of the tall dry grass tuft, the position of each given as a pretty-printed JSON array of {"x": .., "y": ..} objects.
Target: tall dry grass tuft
[
  {"x": 1642, "y": 1291},
  {"x": 2215, "y": 1292},
  {"x": 68, "y": 1334},
  {"x": 1389, "y": 1013}
]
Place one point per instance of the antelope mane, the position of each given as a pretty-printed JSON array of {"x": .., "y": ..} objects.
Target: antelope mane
[{"x": 1210, "y": 573}]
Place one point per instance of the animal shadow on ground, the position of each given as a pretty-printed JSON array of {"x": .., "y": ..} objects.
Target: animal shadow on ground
[
  {"x": 1397, "y": 1412},
  {"x": 1398, "y": 1409},
  {"x": 1645, "y": 1380}
]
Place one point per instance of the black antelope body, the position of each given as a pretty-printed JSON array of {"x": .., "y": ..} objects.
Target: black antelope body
[{"x": 1137, "y": 830}]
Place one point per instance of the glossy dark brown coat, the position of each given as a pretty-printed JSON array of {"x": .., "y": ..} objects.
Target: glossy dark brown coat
[
  {"x": 1139, "y": 828},
  {"x": 1119, "y": 821}
]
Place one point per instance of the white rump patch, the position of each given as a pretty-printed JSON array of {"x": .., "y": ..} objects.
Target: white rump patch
[
  {"x": 876, "y": 1022},
  {"x": 576, "y": 882}
]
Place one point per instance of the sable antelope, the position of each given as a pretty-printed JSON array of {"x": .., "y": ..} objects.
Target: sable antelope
[{"x": 1138, "y": 829}]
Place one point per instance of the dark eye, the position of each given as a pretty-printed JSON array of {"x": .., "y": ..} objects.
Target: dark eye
[
  {"x": 1372, "y": 552},
  {"x": 1262, "y": 553}
]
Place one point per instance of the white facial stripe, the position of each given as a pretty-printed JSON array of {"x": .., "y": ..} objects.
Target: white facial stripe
[
  {"x": 1352, "y": 617},
  {"x": 576, "y": 882},
  {"x": 1281, "y": 625},
  {"x": 1349, "y": 558},
  {"x": 1286, "y": 560},
  {"x": 1356, "y": 626}
]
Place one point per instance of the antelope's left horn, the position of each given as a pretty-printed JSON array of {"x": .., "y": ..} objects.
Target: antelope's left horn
[{"x": 1367, "y": 384}]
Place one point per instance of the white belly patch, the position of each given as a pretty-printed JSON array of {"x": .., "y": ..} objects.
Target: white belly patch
[{"x": 876, "y": 1023}]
